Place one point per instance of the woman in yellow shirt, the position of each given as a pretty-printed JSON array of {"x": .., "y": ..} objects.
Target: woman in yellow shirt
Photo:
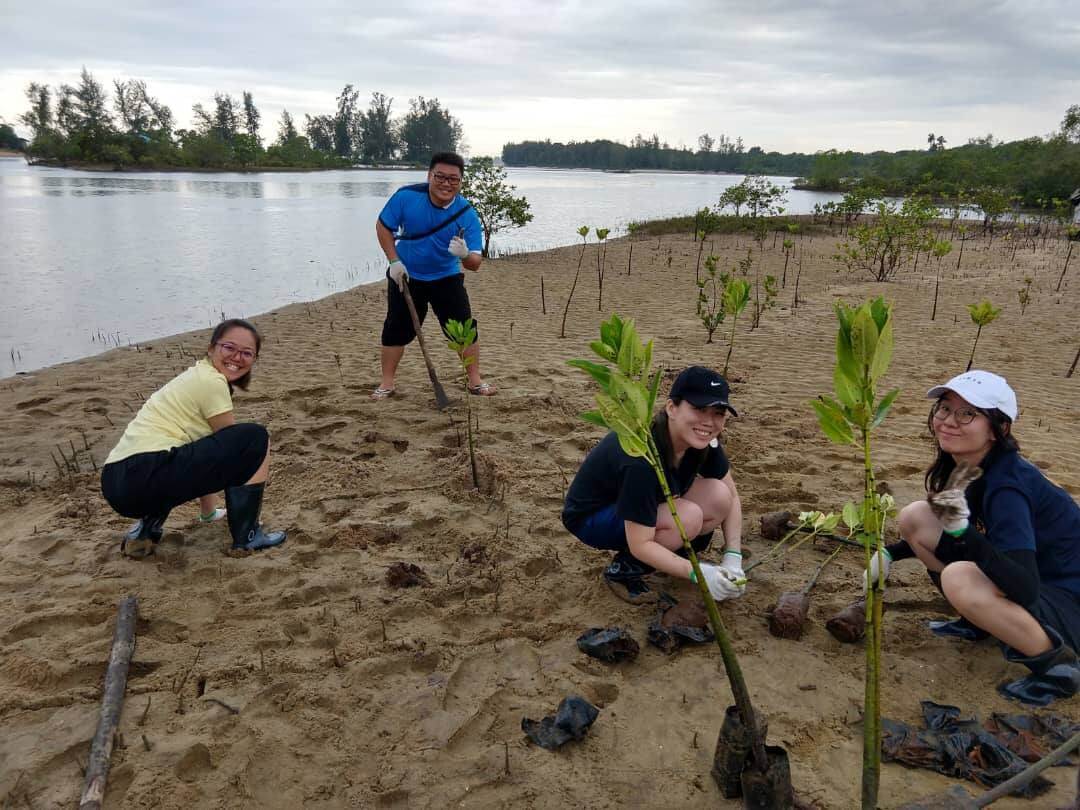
[{"x": 184, "y": 443}]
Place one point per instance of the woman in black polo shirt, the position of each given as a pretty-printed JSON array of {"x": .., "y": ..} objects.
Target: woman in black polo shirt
[
  {"x": 1005, "y": 548},
  {"x": 615, "y": 502}
]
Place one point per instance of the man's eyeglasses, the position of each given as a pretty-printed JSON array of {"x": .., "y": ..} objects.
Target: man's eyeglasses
[
  {"x": 963, "y": 416},
  {"x": 448, "y": 179},
  {"x": 247, "y": 355}
]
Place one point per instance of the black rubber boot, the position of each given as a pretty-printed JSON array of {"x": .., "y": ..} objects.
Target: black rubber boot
[
  {"x": 624, "y": 576},
  {"x": 700, "y": 544},
  {"x": 242, "y": 505},
  {"x": 1054, "y": 674},
  {"x": 140, "y": 541}
]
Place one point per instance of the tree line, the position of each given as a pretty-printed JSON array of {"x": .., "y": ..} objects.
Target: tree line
[
  {"x": 1032, "y": 172},
  {"x": 78, "y": 124},
  {"x": 713, "y": 155}
]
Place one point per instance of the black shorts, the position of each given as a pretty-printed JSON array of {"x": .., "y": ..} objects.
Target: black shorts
[
  {"x": 447, "y": 297},
  {"x": 1060, "y": 609},
  {"x": 152, "y": 484}
]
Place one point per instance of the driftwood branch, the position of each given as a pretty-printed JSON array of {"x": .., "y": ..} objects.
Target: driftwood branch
[{"x": 112, "y": 701}]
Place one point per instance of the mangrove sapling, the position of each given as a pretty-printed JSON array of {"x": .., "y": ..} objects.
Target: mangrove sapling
[
  {"x": 864, "y": 346},
  {"x": 789, "y": 246},
  {"x": 625, "y": 403},
  {"x": 710, "y": 307},
  {"x": 1023, "y": 295},
  {"x": 817, "y": 523},
  {"x": 1072, "y": 368},
  {"x": 460, "y": 338},
  {"x": 583, "y": 232},
  {"x": 736, "y": 296},
  {"x": 940, "y": 250},
  {"x": 982, "y": 313},
  {"x": 601, "y": 265},
  {"x": 787, "y": 619},
  {"x": 1073, "y": 233}
]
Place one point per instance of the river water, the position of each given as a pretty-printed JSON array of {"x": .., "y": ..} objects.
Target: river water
[{"x": 89, "y": 260}]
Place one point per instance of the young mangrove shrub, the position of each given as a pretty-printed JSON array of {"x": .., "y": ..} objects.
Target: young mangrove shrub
[
  {"x": 982, "y": 313},
  {"x": 485, "y": 186},
  {"x": 601, "y": 265},
  {"x": 1072, "y": 234},
  {"x": 583, "y": 232},
  {"x": 736, "y": 297},
  {"x": 864, "y": 347},
  {"x": 461, "y": 337},
  {"x": 710, "y": 305},
  {"x": 625, "y": 403}
]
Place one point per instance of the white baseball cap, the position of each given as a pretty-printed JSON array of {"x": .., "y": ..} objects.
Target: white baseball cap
[{"x": 982, "y": 389}]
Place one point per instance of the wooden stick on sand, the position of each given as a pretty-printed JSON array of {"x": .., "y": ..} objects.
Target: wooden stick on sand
[
  {"x": 112, "y": 701},
  {"x": 441, "y": 399}
]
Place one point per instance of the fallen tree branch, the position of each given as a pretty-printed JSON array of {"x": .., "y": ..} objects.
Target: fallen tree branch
[{"x": 112, "y": 701}]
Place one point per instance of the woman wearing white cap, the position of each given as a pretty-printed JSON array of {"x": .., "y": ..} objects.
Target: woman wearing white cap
[
  {"x": 615, "y": 502},
  {"x": 1000, "y": 540}
]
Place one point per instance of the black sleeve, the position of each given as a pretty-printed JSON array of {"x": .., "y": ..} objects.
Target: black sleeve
[
  {"x": 900, "y": 550},
  {"x": 1014, "y": 572},
  {"x": 716, "y": 463}
]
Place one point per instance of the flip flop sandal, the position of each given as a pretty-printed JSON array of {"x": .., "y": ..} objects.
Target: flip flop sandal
[
  {"x": 218, "y": 513},
  {"x": 484, "y": 389},
  {"x": 382, "y": 393}
]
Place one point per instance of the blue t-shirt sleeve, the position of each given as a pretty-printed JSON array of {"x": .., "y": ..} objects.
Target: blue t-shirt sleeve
[
  {"x": 391, "y": 214},
  {"x": 1008, "y": 521},
  {"x": 474, "y": 234}
]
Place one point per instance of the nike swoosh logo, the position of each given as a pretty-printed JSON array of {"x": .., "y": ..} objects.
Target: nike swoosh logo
[{"x": 715, "y": 383}]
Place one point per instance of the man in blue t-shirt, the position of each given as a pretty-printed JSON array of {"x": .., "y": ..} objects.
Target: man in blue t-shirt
[{"x": 428, "y": 232}]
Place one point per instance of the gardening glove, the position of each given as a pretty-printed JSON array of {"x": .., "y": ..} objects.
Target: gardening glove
[
  {"x": 458, "y": 247},
  {"x": 879, "y": 564},
  {"x": 398, "y": 274},
  {"x": 731, "y": 565},
  {"x": 720, "y": 585},
  {"x": 949, "y": 505}
]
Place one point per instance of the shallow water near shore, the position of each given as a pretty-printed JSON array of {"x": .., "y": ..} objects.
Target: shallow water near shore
[{"x": 92, "y": 260}]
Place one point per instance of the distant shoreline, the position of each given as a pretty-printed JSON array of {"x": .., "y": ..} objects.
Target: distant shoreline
[{"x": 162, "y": 169}]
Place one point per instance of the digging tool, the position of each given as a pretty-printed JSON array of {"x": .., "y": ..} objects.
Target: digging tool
[{"x": 441, "y": 399}]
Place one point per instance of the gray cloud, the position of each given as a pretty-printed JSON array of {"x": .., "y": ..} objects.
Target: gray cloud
[{"x": 782, "y": 74}]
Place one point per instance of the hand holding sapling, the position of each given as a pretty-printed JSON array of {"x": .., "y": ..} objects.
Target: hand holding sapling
[
  {"x": 731, "y": 564},
  {"x": 721, "y": 584}
]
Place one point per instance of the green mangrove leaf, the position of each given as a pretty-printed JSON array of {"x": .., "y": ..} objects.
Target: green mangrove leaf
[
  {"x": 602, "y": 374},
  {"x": 834, "y": 427},
  {"x": 603, "y": 350},
  {"x": 883, "y": 407},
  {"x": 847, "y": 389},
  {"x": 595, "y": 418},
  {"x": 864, "y": 336},
  {"x": 883, "y": 352},
  {"x": 852, "y": 515}
]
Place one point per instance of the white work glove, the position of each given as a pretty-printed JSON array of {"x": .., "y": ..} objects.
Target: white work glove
[
  {"x": 731, "y": 564},
  {"x": 458, "y": 247},
  {"x": 398, "y": 274},
  {"x": 720, "y": 585},
  {"x": 879, "y": 564}
]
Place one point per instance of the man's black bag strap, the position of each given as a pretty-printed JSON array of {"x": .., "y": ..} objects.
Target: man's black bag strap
[{"x": 411, "y": 237}]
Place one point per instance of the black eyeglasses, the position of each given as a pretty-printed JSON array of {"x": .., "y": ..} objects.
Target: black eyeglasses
[
  {"x": 963, "y": 416},
  {"x": 244, "y": 354},
  {"x": 449, "y": 179}
]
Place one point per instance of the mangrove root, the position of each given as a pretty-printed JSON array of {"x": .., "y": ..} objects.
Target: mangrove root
[
  {"x": 849, "y": 625},
  {"x": 788, "y": 617}
]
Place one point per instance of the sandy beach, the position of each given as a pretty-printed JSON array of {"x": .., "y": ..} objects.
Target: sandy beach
[{"x": 300, "y": 678}]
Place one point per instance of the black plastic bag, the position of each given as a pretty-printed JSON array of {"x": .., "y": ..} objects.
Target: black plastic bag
[{"x": 571, "y": 722}]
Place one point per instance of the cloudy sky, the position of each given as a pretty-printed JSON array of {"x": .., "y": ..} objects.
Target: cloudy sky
[{"x": 782, "y": 74}]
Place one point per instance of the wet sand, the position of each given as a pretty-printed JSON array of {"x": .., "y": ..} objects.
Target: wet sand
[{"x": 300, "y": 678}]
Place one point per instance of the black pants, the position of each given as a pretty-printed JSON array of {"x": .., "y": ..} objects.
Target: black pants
[
  {"x": 153, "y": 484},
  {"x": 1060, "y": 609},
  {"x": 447, "y": 296}
]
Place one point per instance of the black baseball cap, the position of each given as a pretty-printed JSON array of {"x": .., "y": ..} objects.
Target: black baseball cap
[{"x": 703, "y": 388}]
